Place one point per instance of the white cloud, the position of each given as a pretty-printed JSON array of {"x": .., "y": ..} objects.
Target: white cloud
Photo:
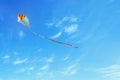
[
  {"x": 42, "y": 75},
  {"x": 66, "y": 18},
  {"x": 20, "y": 61},
  {"x": 69, "y": 19},
  {"x": 66, "y": 58},
  {"x": 6, "y": 57},
  {"x": 21, "y": 70},
  {"x": 71, "y": 29},
  {"x": 74, "y": 67},
  {"x": 50, "y": 59},
  {"x": 31, "y": 68},
  {"x": 62, "y": 21},
  {"x": 73, "y": 19},
  {"x": 27, "y": 69},
  {"x": 57, "y": 35},
  {"x": 111, "y": 72},
  {"x": 70, "y": 70},
  {"x": 21, "y": 34},
  {"x": 67, "y": 24},
  {"x": 49, "y": 24},
  {"x": 73, "y": 72},
  {"x": 59, "y": 24},
  {"x": 45, "y": 67}
]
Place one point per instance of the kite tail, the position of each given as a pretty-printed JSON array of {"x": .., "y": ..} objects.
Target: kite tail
[{"x": 41, "y": 36}]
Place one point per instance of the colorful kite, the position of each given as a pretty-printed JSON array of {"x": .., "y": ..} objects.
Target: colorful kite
[{"x": 25, "y": 21}]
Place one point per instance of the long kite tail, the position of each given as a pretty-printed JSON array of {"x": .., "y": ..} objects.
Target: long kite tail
[{"x": 59, "y": 42}]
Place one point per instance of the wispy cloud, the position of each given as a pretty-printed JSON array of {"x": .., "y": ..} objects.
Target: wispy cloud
[
  {"x": 70, "y": 70},
  {"x": 66, "y": 25},
  {"x": 73, "y": 72},
  {"x": 74, "y": 66},
  {"x": 57, "y": 35},
  {"x": 31, "y": 68},
  {"x": 50, "y": 59},
  {"x": 71, "y": 29},
  {"x": 45, "y": 67},
  {"x": 6, "y": 57},
  {"x": 21, "y": 34},
  {"x": 66, "y": 58},
  {"x": 49, "y": 24},
  {"x": 73, "y": 19},
  {"x": 21, "y": 70},
  {"x": 111, "y": 72},
  {"x": 42, "y": 75},
  {"x": 66, "y": 19},
  {"x": 74, "y": 36},
  {"x": 26, "y": 69},
  {"x": 61, "y": 22},
  {"x": 20, "y": 61}
]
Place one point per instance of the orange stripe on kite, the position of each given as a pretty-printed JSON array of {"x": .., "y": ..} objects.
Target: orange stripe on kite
[{"x": 21, "y": 16}]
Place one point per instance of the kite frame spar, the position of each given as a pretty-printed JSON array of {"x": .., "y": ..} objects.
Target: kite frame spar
[{"x": 23, "y": 19}]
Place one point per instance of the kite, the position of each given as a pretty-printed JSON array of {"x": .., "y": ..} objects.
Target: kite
[{"x": 23, "y": 19}]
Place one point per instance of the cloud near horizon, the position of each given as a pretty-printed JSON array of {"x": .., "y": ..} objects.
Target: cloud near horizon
[{"x": 111, "y": 72}]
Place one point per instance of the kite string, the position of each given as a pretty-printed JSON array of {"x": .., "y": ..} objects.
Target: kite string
[{"x": 41, "y": 36}]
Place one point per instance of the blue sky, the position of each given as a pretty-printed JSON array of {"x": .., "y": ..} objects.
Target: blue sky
[{"x": 93, "y": 25}]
